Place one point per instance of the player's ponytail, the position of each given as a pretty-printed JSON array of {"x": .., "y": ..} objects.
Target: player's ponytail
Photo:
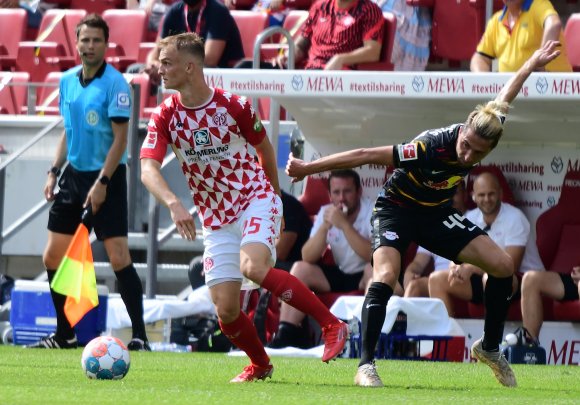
[{"x": 487, "y": 121}]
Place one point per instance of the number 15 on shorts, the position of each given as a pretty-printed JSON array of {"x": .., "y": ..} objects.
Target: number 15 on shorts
[{"x": 251, "y": 226}]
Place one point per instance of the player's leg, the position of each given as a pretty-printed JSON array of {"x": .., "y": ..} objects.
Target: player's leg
[
  {"x": 386, "y": 265},
  {"x": 111, "y": 226},
  {"x": 290, "y": 331},
  {"x": 258, "y": 253},
  {"x": 536, "y": 284},
  {"x": 63, "y": 219},
  {"x": 485, "y": 254}
]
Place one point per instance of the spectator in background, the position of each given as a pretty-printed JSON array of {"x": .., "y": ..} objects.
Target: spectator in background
[
  {"x": 212, "y": 21},
  {"x": 345, "y": 226},
  {"x": 507, "y": 226},
  {"x": 413, "y": 35},
  {"x": 514, "y": 33},
  {"x": 416, "y": 282},
  {"x": 338, "y": 34},
  {"x": 297, "y": 226},
  {"x": 538, "y": 284},
  {"x": 155, "y": 10}
]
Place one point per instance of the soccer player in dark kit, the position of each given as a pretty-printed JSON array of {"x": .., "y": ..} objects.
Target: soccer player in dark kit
[{"x": 415, "y": 205}]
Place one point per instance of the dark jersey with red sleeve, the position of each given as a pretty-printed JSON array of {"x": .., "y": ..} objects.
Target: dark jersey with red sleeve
[
  {"x": 211, "y": 143},
  {"x": 427, "y": 171},
  {"x": 332, "y": 30}
]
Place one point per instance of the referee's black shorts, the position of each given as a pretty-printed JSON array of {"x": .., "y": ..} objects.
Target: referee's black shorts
[
  {"x": 66, "y": 211},
  {"x": 441, "y": 230}
]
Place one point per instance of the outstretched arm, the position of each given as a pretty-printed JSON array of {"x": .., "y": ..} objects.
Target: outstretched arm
[
  {"x": 540, "y": 58},
  {"x": 298, "y": 169}
]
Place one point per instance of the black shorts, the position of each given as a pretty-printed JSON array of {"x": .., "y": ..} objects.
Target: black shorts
[
  {"x": 441, "y": 230},
  {"x": 570, "y": 289},
  {"x": 66, "y": 211},
  {"x": 339, "y": 281}
]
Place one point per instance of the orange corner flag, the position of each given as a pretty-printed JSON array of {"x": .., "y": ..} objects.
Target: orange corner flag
[{"x": 75, "y": 277}]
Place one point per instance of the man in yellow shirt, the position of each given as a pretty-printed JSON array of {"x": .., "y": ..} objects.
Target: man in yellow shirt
[{"x": 514, "y": 33}]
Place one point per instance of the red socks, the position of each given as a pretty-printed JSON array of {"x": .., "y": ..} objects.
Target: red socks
[
  {"x": 293, "y": 292},
  {"x": 242, "y": 333}
]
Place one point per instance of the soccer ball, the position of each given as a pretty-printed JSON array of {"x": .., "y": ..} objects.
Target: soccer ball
[{"x": 105, "y": 358}]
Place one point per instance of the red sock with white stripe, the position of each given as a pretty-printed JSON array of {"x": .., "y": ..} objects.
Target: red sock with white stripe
[
  {"x": 243, "y": 334},
  {"x": 294, "y": 293}
]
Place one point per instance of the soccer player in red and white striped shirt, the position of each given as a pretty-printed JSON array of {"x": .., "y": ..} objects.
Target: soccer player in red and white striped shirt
[{"x": 238, "y": 199}]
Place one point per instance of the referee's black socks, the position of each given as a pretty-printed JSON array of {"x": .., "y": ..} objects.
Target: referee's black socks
[
  {"x": 373, "y": 316},
  {"x": 131, "y": 292},
  {"x": 497, "y": 295},
  {"x": 63, "y": 328}
]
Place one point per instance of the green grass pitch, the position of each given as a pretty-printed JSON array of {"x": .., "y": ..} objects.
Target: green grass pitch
[{"x": 30, "y": 376}]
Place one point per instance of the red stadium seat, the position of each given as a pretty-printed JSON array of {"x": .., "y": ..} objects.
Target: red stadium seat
[
  {"x": 13, "y": 91},
  {"x": 572, "y": 38},
  {"x": 250, "y": 24},
  {"x": 142, "y": 79},
  {"x": 457, "y": 27},
  {"x": 126, "y": 31},
  {"x": 557, "y": 231},
  {"x": 12, "y": 31},
  {"x": 55, "y": 47},
  {"x": 384, "y": 63},
  {"x": 97, "y": 6},
  {"x": 48, "y": 95}
]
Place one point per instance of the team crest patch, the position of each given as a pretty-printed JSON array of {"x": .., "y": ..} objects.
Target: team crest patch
[
  {"x": 208, "y": 264},
  {"x": 407, "y": 152},
  {"x": 123, "y": 101},
  {"x": 390, "y": 235},
  {"x": 219, "y": 119},
  {"x": 150, "y": 140},
  {"x": 202, "y": 138},
  {"x": 92, "y": 118},
  {"x": 258, "y": 124}
]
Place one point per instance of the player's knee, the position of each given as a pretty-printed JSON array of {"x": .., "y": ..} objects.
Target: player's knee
[
  {"x": 254, "y": 270},
  {"x": 227, "y": 313}
]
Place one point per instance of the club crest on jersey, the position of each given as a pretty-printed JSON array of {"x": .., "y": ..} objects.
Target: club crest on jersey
[
  {"x": 219, "y": 119},
  {"x": 202, "y": 138},
  {"x": 407, "y": 152},
  {"x": 390, "y": 235}
]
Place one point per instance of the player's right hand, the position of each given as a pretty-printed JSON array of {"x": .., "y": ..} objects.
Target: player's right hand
[
  {"x": 184, "y": 222},
  {"x": 296, "y": 168}
]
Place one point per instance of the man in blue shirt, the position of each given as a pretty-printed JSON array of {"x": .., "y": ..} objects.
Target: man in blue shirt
[{"x": 95, "y": 104}]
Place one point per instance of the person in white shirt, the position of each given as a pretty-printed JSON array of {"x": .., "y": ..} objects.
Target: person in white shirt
[{"x": 507, "y": 226}]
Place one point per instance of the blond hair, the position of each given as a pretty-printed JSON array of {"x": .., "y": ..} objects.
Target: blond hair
[
  {"x": 487, "y": 120},
  {"x": 188, "y": 42}
]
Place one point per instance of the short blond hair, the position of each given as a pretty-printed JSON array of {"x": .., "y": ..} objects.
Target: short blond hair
[
  {"x": 487, "y": 120},
  {"x": 188, "y": 42}
]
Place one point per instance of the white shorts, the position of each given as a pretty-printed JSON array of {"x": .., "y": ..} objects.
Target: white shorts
[{"x": 260, "y": 222}]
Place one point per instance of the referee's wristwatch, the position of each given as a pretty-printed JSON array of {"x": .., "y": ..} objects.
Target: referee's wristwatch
[
  {"x": 104, "y": 180},
  {"x": 54, "y": 170}
]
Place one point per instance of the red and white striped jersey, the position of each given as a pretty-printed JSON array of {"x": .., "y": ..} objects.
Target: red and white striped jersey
[{"x": 211, "y": 143}]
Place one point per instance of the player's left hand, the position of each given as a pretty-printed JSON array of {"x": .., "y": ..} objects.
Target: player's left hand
[{"x": 547, "y": 53}]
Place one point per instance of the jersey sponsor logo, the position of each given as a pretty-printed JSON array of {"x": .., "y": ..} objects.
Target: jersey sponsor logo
[
  {"x": 407, "y": 152},
  {"x": 150, "y": 140},
  {"x": 202, "y": 138},
  {"x": 207, "y": 152},
  {"x": 123, "y": 101},
  {"x": 390, "y": 235},
  {"x": 219, "y": 119},
  {"x": 92, "y": 118}
]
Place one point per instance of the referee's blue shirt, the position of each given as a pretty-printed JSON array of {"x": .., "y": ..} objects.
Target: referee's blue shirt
[{"x": 87, "y": 112}]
